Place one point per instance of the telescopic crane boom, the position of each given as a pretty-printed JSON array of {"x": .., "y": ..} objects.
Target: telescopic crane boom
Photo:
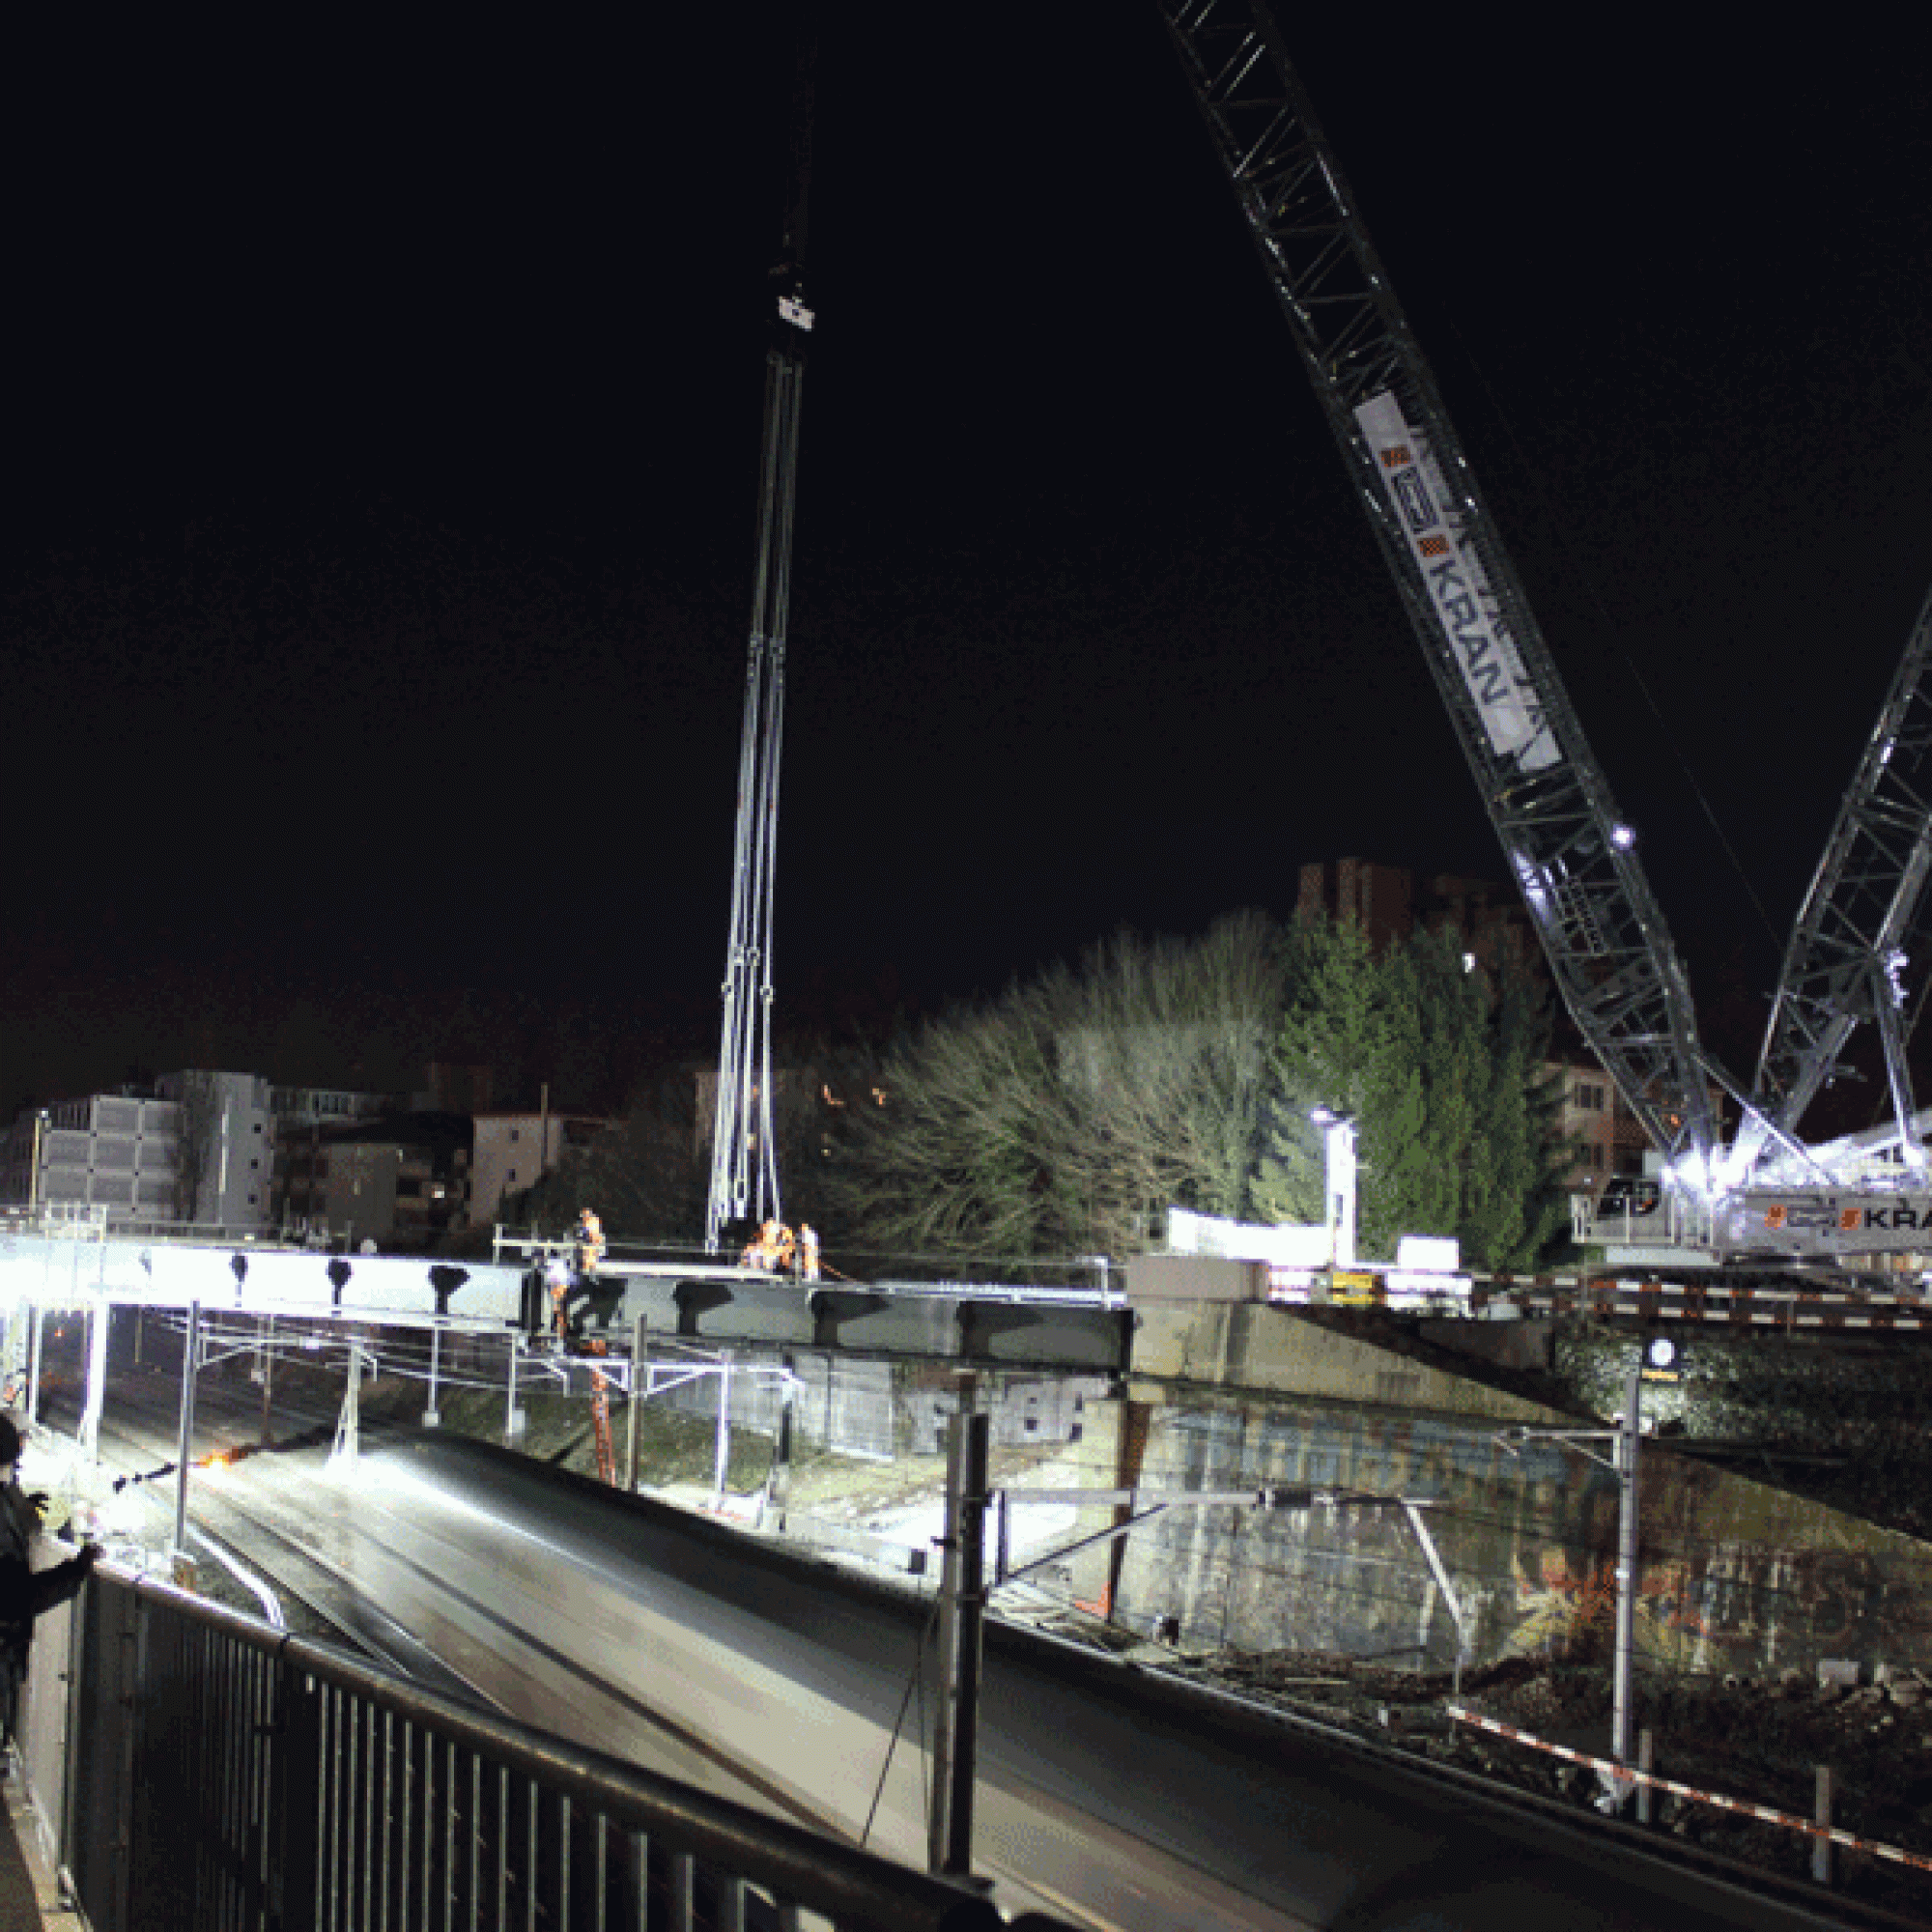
[
  {"x": 1572, "y": 850},
  {"x": 744, "y": 1150}
]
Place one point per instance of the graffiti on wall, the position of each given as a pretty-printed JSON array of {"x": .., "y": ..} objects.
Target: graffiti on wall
[{"x": 1734, "y": 1575}]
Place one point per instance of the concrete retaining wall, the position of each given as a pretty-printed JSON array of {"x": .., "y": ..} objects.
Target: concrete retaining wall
[{"x": 1736, "y": 1575}]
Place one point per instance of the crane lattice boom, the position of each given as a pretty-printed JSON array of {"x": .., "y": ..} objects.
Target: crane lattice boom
[
  {"x": 1850, "y": 957},
  {"x": 1569, "y": 847}
]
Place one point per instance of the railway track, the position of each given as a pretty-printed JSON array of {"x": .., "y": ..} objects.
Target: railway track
[{"x": 255, "y": 1523}]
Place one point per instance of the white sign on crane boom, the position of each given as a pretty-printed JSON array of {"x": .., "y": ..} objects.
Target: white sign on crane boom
[{"x": 1460, "y": 594}]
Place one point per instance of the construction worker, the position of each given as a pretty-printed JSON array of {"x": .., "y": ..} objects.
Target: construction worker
[
  {"x": 589, "y": 1239},
  {"x": 766, "y": 1247},
  {"x": 783, "y": 1247},
  {"x": 557, "y": 1274},
  {"x": 807, "y": 1252}
]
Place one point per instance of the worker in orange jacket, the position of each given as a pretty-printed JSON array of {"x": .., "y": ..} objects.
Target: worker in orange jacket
[{"x": 589, "y": 1241}]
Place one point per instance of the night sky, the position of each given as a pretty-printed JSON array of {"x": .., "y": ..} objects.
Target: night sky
[{"x": 382, "y": 442}]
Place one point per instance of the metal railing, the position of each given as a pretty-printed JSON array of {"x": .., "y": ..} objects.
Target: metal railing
[{"x": 192, "y": 1767}]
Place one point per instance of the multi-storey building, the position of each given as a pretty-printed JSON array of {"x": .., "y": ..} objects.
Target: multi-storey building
[
  {"x": 1607, "y": 1136},
  {"x": 196, "y": 1149},
  {"x": 115, "y": 1151},
  {"x": 513, "y": 1151},
  {"x": 402, "y": 1180},
  {"x": 1389, "y": 902},
  {"x": 224, "y": 1155}
]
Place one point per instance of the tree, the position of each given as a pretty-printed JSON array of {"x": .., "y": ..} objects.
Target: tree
[
  {"x": 198, "y": 1102},
  {"x": 964, "y": 1155},
  {"x": 1063, "y": 1116},
  {"x": 644, "y": 1175},
  {"x": 1443, "y": 1068},
  {"x": 1059, "y": 1116}
]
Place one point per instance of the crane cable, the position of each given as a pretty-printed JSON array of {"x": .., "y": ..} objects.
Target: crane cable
[
  {"x": 1593, "y": 592},
  {"x": 914, "y": 1683}
]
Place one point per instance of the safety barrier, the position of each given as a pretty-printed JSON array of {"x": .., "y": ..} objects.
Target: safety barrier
[
  {"x": 193, "y": 1768},
  {"x": 1744, "y": 1808},
  {"x": 1733, "y": 1304}
]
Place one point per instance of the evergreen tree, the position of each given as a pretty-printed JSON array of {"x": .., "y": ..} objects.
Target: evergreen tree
[{"x": 1457, "y": 1121}]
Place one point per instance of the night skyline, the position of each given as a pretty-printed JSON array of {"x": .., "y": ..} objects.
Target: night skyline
[{"x": 379, "y": 528}]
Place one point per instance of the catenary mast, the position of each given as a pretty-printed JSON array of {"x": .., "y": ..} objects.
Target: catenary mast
[{"x": 743, "y": 1151}]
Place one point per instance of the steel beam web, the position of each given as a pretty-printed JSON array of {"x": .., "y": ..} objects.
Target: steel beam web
[
  {"x": 1850, "y": 953},
  {"x": 744, "y": 1148},
  {"x": 1568, "y": 844}
]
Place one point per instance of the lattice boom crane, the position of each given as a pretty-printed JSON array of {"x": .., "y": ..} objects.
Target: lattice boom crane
[{"x": 1571, "y": 849}]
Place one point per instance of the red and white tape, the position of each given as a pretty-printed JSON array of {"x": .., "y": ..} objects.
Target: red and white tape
[
  {"x": 1745, "y": 1810},
  {"x": 1734, "y": 1305}
]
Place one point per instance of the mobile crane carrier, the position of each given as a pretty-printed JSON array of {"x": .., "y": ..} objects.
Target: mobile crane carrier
[{"x": 1765, "y": 1195}]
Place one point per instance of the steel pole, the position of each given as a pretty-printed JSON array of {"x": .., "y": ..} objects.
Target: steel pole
[
  {"x": 961, "y": 1638},
  {"x": 184, "y": 1454},
  {"x": 268, "y": 1381},
  {"x": 633, "y": 1419},
  {"x": 1628, "y": 1440},
  {"x": 723, "y": 1457},
  {"x": 100, "y": 1319},
  {"x": 432, "y": 1415},
  {"x": 510, "y": 1411},
  {"x": 36, "y": 1341}
]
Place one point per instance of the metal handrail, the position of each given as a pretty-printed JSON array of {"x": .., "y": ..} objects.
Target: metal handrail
[{"x": 160, "y": 1688}]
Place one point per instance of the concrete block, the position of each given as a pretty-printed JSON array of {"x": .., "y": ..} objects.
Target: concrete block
[{"x": 1195, "y": 1278}]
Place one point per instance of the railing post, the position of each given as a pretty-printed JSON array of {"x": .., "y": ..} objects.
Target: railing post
[
  {"x": 99, "y": 1316},
  {"x": 294, "y": 1798},
  {"x": 36, "y": 1336},
  {"x": 268, "y": 1380},
  {"x": 1820, "y": 1846}
]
